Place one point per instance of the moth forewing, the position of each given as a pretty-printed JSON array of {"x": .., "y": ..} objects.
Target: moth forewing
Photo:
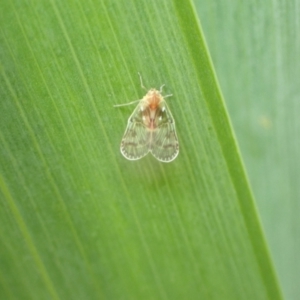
[
  {"x": 134, "y": 144},
  {"x": 165, "y": 146},
  {"x": 151, "y": 128}
]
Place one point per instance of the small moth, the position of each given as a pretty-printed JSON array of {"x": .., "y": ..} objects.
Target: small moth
[{"x": 150, "y": 128}]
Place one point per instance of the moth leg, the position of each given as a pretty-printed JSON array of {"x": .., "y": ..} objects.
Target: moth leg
[
  {"x": 125, "y": 104},
  {"x": 170, "y": 95},
  {"x": 161, "y": 89}
]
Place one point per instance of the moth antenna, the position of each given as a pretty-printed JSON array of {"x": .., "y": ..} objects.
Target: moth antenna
[
  {"x": 161, "y": 88},
  {"x": 125, "y": 104},
  {"x": 141, "y": 80}
]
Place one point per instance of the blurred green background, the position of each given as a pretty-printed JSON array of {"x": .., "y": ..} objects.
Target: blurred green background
[{"x": 255, "y": 48}]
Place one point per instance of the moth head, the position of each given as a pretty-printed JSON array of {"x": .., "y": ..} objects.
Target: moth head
[{"x": 153, "y": 98}]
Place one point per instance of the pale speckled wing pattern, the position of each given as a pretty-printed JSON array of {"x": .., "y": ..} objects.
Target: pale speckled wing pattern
[
  {"x": 164, "y": 141},
  {"x": 161, "y": 140},
  {"x": 136, "y": 140}
]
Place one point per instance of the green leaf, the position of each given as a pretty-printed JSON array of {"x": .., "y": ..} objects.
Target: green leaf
[
  {"x": 256, "y": 53},
  {"x": 78, "y": 220}
]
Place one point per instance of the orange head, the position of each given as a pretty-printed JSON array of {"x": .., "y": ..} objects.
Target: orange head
[{"x": 153, "y": 99}]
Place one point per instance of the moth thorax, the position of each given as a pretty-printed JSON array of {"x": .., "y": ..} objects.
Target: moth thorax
[{"x": 153, "y": 99}]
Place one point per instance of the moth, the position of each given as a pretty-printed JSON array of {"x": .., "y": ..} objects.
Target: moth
[{"x": 150, "y": 128}]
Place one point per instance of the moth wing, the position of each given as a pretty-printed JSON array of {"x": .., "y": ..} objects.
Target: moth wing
[
  {"x": 165, "y": 146},
  {"x": 135, "y": 143}
]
